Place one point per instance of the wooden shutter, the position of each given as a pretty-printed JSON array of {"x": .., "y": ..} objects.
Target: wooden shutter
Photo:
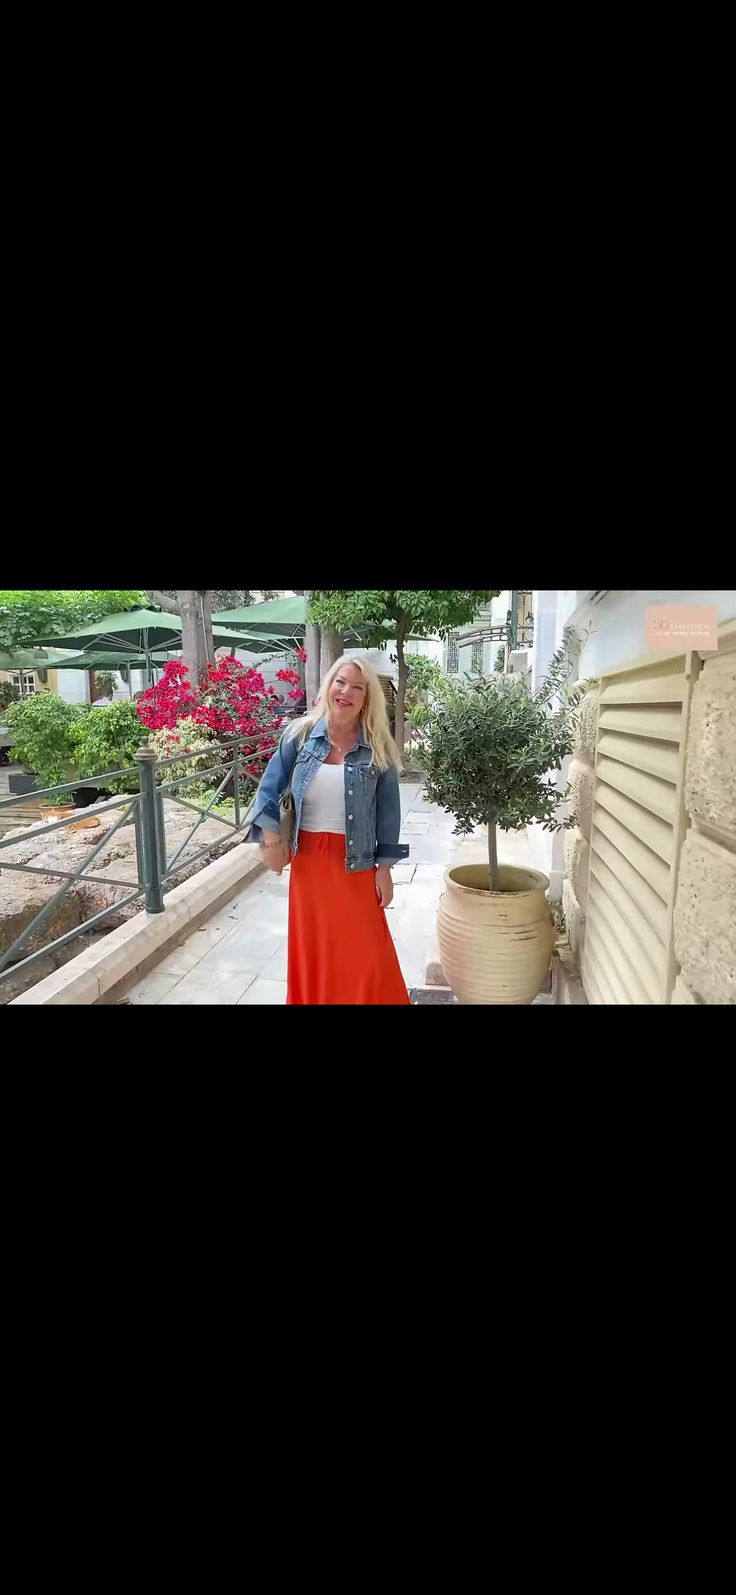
[{"x": 639, "y": 820}]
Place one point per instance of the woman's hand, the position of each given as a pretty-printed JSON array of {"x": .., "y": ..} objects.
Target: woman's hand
[
  {"x": 275, "y": 856},
  {"x": 384, "y": 885}
]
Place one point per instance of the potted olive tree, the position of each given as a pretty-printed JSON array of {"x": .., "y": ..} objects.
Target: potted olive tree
[{"x": 489, "y": 751}]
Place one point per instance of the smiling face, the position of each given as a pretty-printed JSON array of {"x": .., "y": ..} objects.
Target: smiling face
[{"x": 348, "y": 693}]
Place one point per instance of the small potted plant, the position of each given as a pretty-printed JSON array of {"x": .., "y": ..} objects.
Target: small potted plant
[{"x": 489, "y": 748}]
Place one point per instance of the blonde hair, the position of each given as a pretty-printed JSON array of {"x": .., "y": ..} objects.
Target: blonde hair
[{"x": 374, "y": 716}]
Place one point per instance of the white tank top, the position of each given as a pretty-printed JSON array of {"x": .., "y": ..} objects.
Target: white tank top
[{"x": 323, "y": 807}]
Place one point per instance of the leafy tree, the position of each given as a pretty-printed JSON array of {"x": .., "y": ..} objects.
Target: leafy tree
[
  {"x": 419, "y": 612},
  {"x": 490, "y": 744},
  {"x": 195, "y": 607},
  {"x": 232, "y": 597},
  {"x": 240, "y": 597},
  {"x": 29, "y": 613}
]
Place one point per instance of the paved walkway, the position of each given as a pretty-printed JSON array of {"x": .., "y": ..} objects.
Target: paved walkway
[{"x": 239, "y": 956}]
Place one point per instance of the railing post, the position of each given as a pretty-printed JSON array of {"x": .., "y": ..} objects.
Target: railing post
[
  {"x": 161, "y": 832},
  {"x": 145, "y": 758},
  {"x": 236, "y": 780}
]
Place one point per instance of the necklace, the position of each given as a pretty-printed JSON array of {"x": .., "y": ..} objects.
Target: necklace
[{"x": 336, "y": 745}]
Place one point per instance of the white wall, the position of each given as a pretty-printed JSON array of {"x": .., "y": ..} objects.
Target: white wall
[
  {"x": 73, "y": 685},
  {"x": 429, "y": 647},
  {"x": 618, "y": 622}
]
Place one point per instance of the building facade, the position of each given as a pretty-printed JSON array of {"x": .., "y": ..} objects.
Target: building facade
[{"x": 647, "y": 878}]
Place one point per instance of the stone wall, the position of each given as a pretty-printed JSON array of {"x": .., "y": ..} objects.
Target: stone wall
[
  {"x": 705, "y": 905},
  {"x": 577, "y": 841}
]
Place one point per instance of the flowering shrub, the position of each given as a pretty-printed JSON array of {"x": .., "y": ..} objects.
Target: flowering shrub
[
  {"x": 233, "y": 700},
  {"x": 161, "y": 706},
  {"x": 187, "y": 737},
  {"x": 294, "y": 677}
]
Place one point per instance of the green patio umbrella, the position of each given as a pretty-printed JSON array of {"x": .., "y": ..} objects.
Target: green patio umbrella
[
  {"x": 288, "y": 616},
  {"x": 92, "y": 660},
  {"x": 278, "y": 616},
  {"x": 136, "y": 632},
  {"x": 27, "y": 659},
  {"x": 44, "y": 660}
]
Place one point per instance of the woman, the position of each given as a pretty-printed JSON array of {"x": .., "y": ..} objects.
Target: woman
[{"x": 341, "y": 766}]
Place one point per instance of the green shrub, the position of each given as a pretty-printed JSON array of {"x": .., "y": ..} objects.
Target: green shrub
[
  {"x": 8, "y": 694},
  {"x": 108, "y": 738},
  {"x": 425, "y": 676},
  {"x": 43, "y": 729}
]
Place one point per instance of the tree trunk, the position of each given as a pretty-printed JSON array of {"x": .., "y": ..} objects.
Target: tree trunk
[
  {"x": 206, "y": 608},
  {"x": 330, "y": 651},
  {"x": 493, "y": 857},
  {"x": 194, "y": 606},
  {"x": 401, "y": 690},
  {"x": 312, "y": 643},
  {"x": 193, "y": 642}
]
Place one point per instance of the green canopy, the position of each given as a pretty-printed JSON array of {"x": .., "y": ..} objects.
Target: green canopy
[
  {"x": 27, "y": 659},
  {"x": 279, "y": 616},
  {"x": 139, "y": 631},
  {"x": 104, "y": 659},
  {"x": 289, "y": 616}
]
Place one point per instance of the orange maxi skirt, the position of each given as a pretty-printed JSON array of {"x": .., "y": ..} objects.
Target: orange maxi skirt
[{"x": 340, "y": 947}]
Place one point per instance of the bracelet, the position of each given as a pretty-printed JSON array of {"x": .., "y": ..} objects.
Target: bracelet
[{"x": 277, "y": 843}]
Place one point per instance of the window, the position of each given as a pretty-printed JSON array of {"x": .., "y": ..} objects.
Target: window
[
  {"x": 453, "y": 656},
  {"x": 25, "y": 682},
  {"x": 476, "y": 659}
]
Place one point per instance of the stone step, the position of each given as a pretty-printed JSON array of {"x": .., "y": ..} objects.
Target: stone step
[
  {"x": 11, "y": 818},
  {"x": 436, "y": 996}
]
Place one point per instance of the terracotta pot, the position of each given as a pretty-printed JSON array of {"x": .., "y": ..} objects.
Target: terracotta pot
[{"x": 495, "y": 947}]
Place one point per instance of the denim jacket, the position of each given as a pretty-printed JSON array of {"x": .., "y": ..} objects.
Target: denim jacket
[{"x": 372, "y": 803}]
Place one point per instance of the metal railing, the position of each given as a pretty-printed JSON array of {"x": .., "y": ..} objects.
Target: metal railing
[{"x": 145, "y": 809}]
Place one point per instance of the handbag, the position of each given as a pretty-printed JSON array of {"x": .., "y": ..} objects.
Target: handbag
[{"x": 287, "y": 818}]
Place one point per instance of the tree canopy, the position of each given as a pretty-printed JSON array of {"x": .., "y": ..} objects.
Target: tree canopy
[
  {"x": 418, "y": 612},
  {"x": 425, "y": 612},
  {"x": 231, "y": 597},
  {"x": 28, "y": 613}
]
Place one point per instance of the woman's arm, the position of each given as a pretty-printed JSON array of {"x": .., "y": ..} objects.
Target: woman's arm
[
  {"x": 275, "y": 779},
  {"x": 388, "y": 820}
]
